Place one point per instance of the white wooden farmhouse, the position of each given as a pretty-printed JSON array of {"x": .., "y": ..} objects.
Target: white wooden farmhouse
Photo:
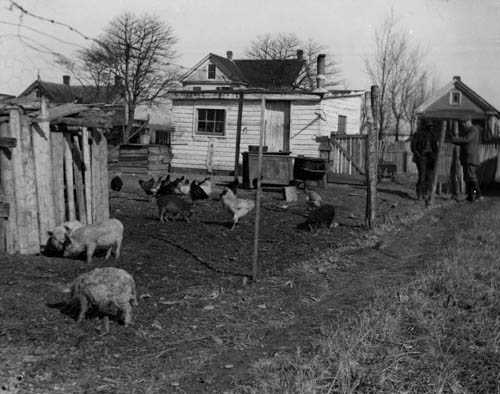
[{"x": 205, "y": 111}]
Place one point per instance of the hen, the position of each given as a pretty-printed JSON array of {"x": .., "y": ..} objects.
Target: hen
[
  {"x": 197, "y": 193},
  {"x": 314, "y": 200},
  {"x": 147, "y": 185},
  {"x": 238, "y": 207}
]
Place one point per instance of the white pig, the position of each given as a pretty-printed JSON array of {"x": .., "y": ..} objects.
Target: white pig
[
  {"x": 57, "y": 236},
  {"x": 108, "y": 289},
  {"x": 106, "y": 235}
]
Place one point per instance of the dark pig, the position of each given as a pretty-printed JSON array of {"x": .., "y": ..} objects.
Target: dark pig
[
  {"x": 175, "y": 206},
  {"x": 321, "y": 217}
]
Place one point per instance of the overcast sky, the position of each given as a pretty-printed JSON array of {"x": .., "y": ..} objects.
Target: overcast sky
[{"x": 462, "y": 37}]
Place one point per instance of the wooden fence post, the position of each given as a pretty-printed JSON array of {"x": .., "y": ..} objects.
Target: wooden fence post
[
  {"x": 371, "y": 163},
  {"x": 259, "y": 187},
  {"x": 87, "y": 174},
  {"x": 42, "y": 158}
]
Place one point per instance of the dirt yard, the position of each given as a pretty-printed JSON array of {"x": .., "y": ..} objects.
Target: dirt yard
[{"x": 199, "y": 324}]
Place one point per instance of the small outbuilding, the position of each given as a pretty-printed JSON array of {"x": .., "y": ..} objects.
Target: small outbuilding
[{"x": 221, "y": 94}]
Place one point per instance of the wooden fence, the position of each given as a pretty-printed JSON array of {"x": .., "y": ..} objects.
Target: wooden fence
[
  {"x": 50, "y": 172},
  {"x": 347, "y": 156}
]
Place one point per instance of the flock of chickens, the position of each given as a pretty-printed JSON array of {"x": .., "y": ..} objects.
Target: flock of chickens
[{"x": 175, "y": 199}]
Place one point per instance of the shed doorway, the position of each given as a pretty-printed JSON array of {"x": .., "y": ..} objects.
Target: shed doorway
[{"x": 277, "y": 137}]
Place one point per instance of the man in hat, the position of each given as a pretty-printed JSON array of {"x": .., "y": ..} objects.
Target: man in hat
[
  {"x": 469, "y": 158},
  {"x": 424, "y": 146}
]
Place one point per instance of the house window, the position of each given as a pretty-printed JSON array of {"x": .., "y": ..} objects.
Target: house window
[
  {"x": 211, "y": 71},
  {"x": 211, "y": 121},
  {"x": 455, "y": 98},
  {"x": 342, "y": 125},
  {"x": 196, "y": 88}
]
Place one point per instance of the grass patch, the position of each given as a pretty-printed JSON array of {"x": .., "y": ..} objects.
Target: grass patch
[{"x": 437, "y": 334}]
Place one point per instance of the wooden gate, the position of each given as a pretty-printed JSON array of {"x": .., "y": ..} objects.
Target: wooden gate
[{"x": 347, "y": 159}]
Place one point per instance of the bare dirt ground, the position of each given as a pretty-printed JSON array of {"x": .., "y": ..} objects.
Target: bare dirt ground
[{"x": 198, "y": 326}]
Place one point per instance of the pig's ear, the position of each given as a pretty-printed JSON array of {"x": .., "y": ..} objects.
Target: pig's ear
[
  {"x": 50, "y": 233},
  {"x": 68, "y": 229}
]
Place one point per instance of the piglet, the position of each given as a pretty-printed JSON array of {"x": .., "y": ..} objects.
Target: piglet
[
  {"x": 106, "y": 235},
  {"x": 57, "y": 236},
  {"x": 321, "y": 217},
  {"x": 176, "y": 206},
  {"x": 110, "y": 290}
]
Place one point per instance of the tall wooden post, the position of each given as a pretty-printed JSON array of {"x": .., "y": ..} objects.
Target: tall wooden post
[
  {"x": 238, "y": 138},
  {"x": 372, "y": 162},
  {"x": 436, "y": 164},
  {"x": 87, "y": 174},
  {"x": 259, "y": 187},
  {"x": 42, "y": 157}
]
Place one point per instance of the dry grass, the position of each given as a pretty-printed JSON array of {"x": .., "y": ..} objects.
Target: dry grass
[{"x": 438, "y": 334}]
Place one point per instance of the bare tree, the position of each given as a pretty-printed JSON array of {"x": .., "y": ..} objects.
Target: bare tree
[
  {"x": 285, "y": 46},
  {"x": 398, "y": 68},
  {"x": 139, "y": 51}
]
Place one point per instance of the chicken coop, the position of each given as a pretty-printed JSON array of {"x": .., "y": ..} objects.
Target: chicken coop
[{"x": 53, "y": 168}]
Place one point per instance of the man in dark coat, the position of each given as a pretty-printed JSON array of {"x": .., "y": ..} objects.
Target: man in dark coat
[
  {"x": 469, "y": 158},
  {"x": 424, "y": 146}
]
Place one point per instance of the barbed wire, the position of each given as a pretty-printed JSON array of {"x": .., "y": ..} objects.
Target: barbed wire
[{"x": 24, "y": 68}]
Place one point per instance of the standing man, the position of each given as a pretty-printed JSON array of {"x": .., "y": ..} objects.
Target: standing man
[
  {"x": 424, "y": 146},
  {"x": 469, "y": 158}
]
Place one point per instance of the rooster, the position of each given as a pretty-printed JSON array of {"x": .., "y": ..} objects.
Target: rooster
[
  {"x": 239, "y": 207},
  {"x": 233, "y": 185}
]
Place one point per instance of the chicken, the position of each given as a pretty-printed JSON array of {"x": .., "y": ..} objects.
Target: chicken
[
  {"x": 314, "y": 200},
  {"x": 157, "y": 185},
  {"x": 197, "y": 193},
  {"x": 184, "y": 187},
  {"x": 238, "y": 207},
  {"x": 151, "y": 186},
  {"x": 168, "y": 187},
  {"x": 116, "y": 183},
  {"x": 147, "y": 185},
  {"x": 206, "y": 186}
]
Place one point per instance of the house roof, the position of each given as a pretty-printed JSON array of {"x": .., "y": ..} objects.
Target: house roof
[
  {"x": 430, "y": 106},
  {"x": 256, "y": 73},
  {"x": 270, "y": 73},
  {"x": 61, "y": 93}
]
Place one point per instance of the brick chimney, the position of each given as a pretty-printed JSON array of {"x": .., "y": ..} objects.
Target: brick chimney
[
  {"x": 66, "y": 79},
  {"x": 229, "y": 55},
  {"x": 300, "y": 54},
  {"x": 456, "y": 78},
  {"x": 320, "y": 77}
]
